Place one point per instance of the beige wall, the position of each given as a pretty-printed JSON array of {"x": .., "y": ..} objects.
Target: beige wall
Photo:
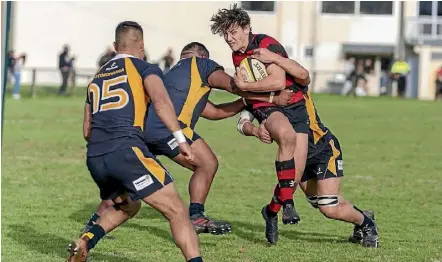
[{"x": 174, "y": 24}]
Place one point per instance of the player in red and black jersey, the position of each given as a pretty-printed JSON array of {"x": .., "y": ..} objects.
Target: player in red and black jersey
[
  {"x": 321, "y": 177},
  {"x": 281, "y": 122}
]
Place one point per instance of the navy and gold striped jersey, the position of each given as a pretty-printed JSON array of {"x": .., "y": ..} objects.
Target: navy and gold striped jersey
[
  {"x": 118, "y": 102},
  {"x": 319, "y": 135},
  {"x": 188, "y": 88}
]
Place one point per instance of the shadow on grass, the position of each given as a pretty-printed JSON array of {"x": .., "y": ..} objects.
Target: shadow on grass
[
  {"x": 255, "y": 233},
  {"x": 53, "y": 245}
]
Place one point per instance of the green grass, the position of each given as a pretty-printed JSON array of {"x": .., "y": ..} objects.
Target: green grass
[{"x": 392, "y": 151}]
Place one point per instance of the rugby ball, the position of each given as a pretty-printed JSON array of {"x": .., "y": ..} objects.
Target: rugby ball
[{"x": 252, "y": 69}]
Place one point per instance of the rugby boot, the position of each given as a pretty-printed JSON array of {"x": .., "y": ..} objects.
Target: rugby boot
[
  {"x": 204, "y": 224},
  {"x": 357, "y": 235},
  {"x": 271, "y": 226},
  {"x": 77, "y": 251},
  {"x": 370, "y": 236},
  {"x": 289, "y": 215}
]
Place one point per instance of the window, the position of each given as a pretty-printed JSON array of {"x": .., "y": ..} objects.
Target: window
[
  {"x": 439, "y": 8},
  {"x": 425, "y": 8},
  {"x": 263, "y": 6},
  {"x": 429, "y": 8},
  {"x": 338, "y": 7},
  {"x": 376, "y": 7}
]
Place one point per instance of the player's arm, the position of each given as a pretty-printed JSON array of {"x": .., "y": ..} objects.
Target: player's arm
[
  {"x": 292, "y": 67},
  {"x": 246, "y": 127},
  {"x": 222, "y": 111},
  {"x": 87, "y": 121},
  {"x": 275, "y": 81},
  {"x": 221, "y": 80}
]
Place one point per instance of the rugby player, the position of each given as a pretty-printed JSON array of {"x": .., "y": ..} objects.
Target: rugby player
[
  {"x": 189, "y": 84},
  {"x": 282, "y": 122},
  {"x": 117, "y": 157},
  {"x": 323, "y": 171}
]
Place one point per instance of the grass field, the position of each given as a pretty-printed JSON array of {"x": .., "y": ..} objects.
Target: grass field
[{"x": 392, "y": 151}]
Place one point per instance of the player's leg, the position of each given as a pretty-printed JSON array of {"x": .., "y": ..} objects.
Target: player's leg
[
  {"x": 157, "y": 189},
  {"x": 283, "y": 133},
  {"x": 123, "y": 208},
  {"x": 301, "y": 149},
  {"x": 334, "y": 206},
  {"x": 204, "y": 168},
  {"x": 100, "y": 209},
  {"x": 170, "y": 204}
]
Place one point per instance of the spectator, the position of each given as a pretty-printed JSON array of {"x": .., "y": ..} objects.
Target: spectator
[
  {"x": 383, "y": 83},
  {"x": 110, "y": 53},
  {"x": 349, "y": 68},
  {"x": 168, "y": 60},
  {"x": 18, "y": 64},
  {"x": 439, "y": 84},
  {"x": 10, "y": 65},
  {"x": 399, "y": 72},
  {"x": 360, "y": 81},
  {"x": 65, "y": 66},
  {"x": 368, "y": 66}
]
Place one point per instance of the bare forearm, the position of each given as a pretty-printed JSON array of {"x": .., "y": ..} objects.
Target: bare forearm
[
  {"x": 249, "y": 129},
  {"x": 267, "y": 84},
  {"x": 294, "y": 69},
  {"x": 86, "y": 122},
  {"x": 254, "y": 96}
]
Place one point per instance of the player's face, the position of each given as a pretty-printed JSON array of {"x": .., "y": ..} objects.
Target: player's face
[{"x": 237, "y": 37}]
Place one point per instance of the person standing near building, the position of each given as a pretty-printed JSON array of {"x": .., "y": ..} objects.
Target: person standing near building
[
  {"x": 18, "y": 64},
  {"x": 65, "y": 66},
  {"x": 399, "y": 72}
]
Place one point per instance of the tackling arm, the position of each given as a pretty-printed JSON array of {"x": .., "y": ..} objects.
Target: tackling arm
[
  {"x": 221, "y": 80},
  {"x": 294, "y": 69},
  {"x": 87, "y": 121},
  {"x": 221, "y": 111}
]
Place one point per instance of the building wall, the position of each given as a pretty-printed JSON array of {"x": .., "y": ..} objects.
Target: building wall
[{"x": 88, "y": 27}]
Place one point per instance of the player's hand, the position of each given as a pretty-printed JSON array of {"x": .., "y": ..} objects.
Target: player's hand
[
  {"x": 186, "y": 151},
  {"x": 283, "y": 97},
  {"x": 263, "y": 134},
  {"x": 239, "y": 80},
  {"x": 264, "y": 55}
]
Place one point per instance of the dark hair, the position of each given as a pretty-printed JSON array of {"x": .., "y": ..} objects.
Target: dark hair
[
  {"x": 197, "y": 47},
  {"x": 125, "y": 27},
  {"x": 225, "y": 18}
]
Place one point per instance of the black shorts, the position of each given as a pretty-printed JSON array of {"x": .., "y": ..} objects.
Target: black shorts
[
  {"x": 133, "y": 170},
  {"x": 169, "y": 146},
  {"x": 296, "y": 114},
  {"x": 326, "y": 164}
]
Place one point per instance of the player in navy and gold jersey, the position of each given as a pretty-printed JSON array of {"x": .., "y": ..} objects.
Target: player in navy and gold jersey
[
  {"x": 323, "y": 170},
  {"x": 117, "y": 157},
  {"x": 189, "y": 84}
]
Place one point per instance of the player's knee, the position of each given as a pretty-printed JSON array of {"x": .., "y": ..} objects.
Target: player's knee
[
  {"x": 329, "y": 206},
  {"x": 287, "y": 137},
  {"x": 313, "y": 200},
  {"x": 209, "y": 164},
  {"x": 129, "y": 207},
  {"x": 176, "y": 212}
]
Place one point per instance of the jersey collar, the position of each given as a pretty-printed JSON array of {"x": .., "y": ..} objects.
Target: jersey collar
[{"x": 118, "y": 56}]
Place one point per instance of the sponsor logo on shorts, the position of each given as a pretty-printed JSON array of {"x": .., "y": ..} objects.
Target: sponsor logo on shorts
[
  {"x": 173, "y": 143},
  {"x": 143, "y": 182},
  {"x": 340, "y": 164},
  {"x": 319, "y": 171}
]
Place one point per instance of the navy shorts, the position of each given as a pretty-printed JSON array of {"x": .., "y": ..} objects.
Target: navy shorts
[
  {"x": 296, "y": 114},
  {"x": 169, "y": 146},
  {"x": 326, "y": 164},
  {"x": 133, "y": 170}
]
